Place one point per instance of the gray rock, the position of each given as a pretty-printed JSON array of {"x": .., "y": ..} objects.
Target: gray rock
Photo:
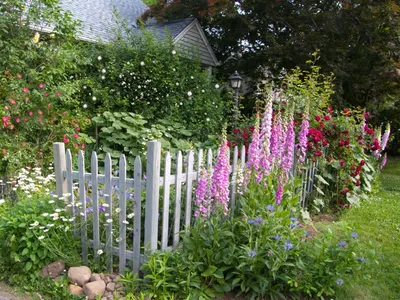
[
  {"x": 79, "y": 275},
  {"x": 53, "y": 270},
  {"x": 111, "y": 287},
  {"x": 75, "y": 290},
  {"x": 94, "y": 289},
  {"x": 95, "y": 277}
]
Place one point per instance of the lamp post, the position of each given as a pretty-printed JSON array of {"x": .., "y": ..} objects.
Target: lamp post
[{"x": 236, "y": 83}]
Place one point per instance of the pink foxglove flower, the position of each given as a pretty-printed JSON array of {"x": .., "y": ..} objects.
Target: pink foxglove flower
[
  {"x": 384, "y": 160},
  {"x": 203, "y": 199},
  {"x": 279, "y": 194},
  {"x": 220, "y": 178},
  {"x": 385, "y": 137},
  {"x": 266, "y": 137},
  {"x": 287, "y": 160},
  {"x": 302, "y": 138},
  {"x": 253, "y": 162}
]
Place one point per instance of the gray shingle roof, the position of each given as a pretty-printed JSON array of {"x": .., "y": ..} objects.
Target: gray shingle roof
[
  {"x": 98, "y": 16},
  {"x": 172, "y": 27}
]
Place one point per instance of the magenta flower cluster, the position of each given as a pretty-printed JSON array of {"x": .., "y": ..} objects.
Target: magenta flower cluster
[{"x": 203, "y": 199}]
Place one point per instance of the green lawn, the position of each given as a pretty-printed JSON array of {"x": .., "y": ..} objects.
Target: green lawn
[
  {"x": 378, "y": 222},
  {"x": 149, "y": 2}
]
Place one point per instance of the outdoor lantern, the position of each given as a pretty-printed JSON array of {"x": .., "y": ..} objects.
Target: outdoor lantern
[{"x": 236, "y": 80}]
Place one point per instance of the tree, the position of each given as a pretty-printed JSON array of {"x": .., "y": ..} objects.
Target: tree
[{"x": 358, "y": 40}]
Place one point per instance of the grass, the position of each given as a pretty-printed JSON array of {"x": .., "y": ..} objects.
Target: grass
[
  {"x": 149, "y": 2},
  {"x": 378, "y": 224}
]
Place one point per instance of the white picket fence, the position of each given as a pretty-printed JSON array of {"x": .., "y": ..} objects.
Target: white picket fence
[{"x": 182, "y": 180}]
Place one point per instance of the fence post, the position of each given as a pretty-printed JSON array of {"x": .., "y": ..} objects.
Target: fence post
[
  {"x": 59, "y": 168},
  {"x": 152, "y": 195}
]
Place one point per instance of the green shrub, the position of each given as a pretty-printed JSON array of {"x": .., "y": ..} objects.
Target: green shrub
[
  {"x": 34, "y": 233},
  {"x": 261, "y": 250}
]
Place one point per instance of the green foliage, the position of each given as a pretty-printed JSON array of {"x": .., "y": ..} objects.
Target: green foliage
[
  {"x": 261, "y": 250},
  {"x": 146, "y": 75},
  {"x": 358, "y": 41},
  {"x": 129, "y": 133},
  {"x": 35, "y": 232}
]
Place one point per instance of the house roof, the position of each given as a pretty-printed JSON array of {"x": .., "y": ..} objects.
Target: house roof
[{"x": 99, "y": 16}]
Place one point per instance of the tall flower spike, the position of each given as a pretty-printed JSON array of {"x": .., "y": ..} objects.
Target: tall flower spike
[
  {"x": 203, "y": 199},
  {"x": 302, "y": 138},
  {"x": 276, "y": 135},
  {"x": 253, "y": 162},
  {"x": 385, "y": 137},
  {"x": 266, "y": 136},
  {"x": 287, "y": 160},
  {"x": 220, "y": 178}
]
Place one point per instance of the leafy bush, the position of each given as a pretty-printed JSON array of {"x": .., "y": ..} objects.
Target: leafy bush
[
  {"x": 262, "y": 250},
  {"x": 36, "y": 232}
]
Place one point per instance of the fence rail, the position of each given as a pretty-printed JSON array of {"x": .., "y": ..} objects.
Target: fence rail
[{"x": 172, "y": 223}]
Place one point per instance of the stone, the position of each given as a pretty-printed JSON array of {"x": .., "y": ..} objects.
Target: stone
[
  {"x": 53, "y": 270},
  {"x": 118, "y": 285},
  {"x": 103, "y": 298},
  {"x": 95, "y": 277},
  {"x": 94, "y": 289},
  {"x": 75, "y": 290},
  {"x": 56, "y": 268},
  {"x": 79, "y": 275},
  {"x": 112, "y": 276},
  {"x": 110, "y": 287},
  {"x": 106, "y": 279}
]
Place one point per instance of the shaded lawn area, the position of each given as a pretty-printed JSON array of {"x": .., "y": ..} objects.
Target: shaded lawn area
[{"x": 377, "y": 222}]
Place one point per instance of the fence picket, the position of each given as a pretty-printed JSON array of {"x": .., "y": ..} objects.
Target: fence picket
[
  {"x": 189, "y": 190},
  {"x": 233, "y": 180},
  {"x": 243, "y": 157},
  {"x": 138, "y": 213},
  {"x": 82, "y": 198},
  {"x": 165, "y": 221},
  {"x": 152, "y": 195},
  {"x": 209, "y": 159},
  {"x": 178, "y": 196},
  {"x": 122, "y": 213},
  {"x": 95, "y": 206},
  {"x": 109, "y": 211},
  {"x": 70, "y": 190}
]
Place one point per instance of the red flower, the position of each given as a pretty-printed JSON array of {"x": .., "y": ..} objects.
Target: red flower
[
  {"x": 25, "y": 90},
  {"x": 345, "y": 191},
  {"x": 83, "y": 146},
  {"x": 12, "y": 101},
  {"x": 366, "y": 115},
  {"x": 48, "y": 105},
  {"x": 342, "y": 163},
  {"x": 4, "y": 150},
  {"x": 317, "y": 118},
  {"x": 58, "y": 94},
  {"x": 41, "y": 85},
  {"x": 347, "y": 112},
  {"x": 251, "y": 129},
  {"x": 19, "y": 76},
  {"x": 40, "y": 112},
  {"x": 30, "y": 113},
  {"x": 375, "y": 145},
  {"x": 327, "y": 118},
  {"x": 329, "y": 159},
  {"x": 330, "y": 109},
  {"x": 362, "y": 162},
  {"x": 17, "y": 120},
  {"x": 317, "y": 153},
  {"x": 236, "y": 131},
  {"x": 45, "y": 94}
]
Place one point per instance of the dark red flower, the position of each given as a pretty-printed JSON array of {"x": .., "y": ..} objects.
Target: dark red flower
[
  {"x": 342, "y": 163},
  {"x": 317, "y": 153},
  {"x": 327, "y": 118},
  {"x": 317, "y": 118}
]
